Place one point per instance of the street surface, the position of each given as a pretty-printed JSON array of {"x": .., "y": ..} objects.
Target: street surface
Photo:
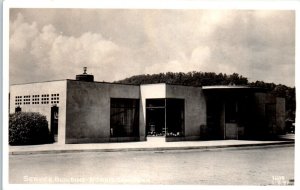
[{"x": 269, "y": 165}]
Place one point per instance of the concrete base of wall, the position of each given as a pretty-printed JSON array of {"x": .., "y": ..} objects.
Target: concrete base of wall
[
  {"x": 188, "y": 138},
  {"x": 124, "y": 139},
  {"x": 86, "y": 140},
  {"x": 104, "y": 140}
]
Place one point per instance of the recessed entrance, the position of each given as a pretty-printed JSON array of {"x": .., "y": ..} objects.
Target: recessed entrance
[
  {"x": 155, "y": 117},
  {"x": 231, "y": 126}
]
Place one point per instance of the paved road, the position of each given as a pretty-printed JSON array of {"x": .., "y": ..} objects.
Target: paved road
[{"x": 252, "y": 166}]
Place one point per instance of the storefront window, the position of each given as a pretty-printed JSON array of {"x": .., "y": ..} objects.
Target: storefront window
[
  {"x": 175, "y": 117},
  {"x": 165, "y": 117},
  {"x": 124, "y": 117}
]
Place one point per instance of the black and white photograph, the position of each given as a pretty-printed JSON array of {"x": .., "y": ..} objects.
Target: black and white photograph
[{"x": 151, "y": 96}]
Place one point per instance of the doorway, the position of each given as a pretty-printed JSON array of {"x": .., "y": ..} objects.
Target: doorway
[
  {"x": 54, "y": 122},
  {"x": 231, "y": 125}
]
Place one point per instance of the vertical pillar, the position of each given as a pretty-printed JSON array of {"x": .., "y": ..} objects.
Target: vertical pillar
[
  {"x": 223, "y": 114},
  {"x": 165, "y": 117}
]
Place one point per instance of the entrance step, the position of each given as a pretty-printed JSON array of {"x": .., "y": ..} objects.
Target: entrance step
[{"x": 156, "y": 140}]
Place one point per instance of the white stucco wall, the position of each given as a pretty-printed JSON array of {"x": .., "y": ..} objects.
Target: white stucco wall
[{"x": 53, "y": 87}]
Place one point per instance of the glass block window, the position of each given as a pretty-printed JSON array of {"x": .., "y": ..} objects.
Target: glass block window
[
  {"x": 45, "y": 99},
  {"x": 26, "y": 99},
  {"x": 54, "y": 98},
  {"x": 18, "y": 100},
  {"x": 35, "y": 99}
]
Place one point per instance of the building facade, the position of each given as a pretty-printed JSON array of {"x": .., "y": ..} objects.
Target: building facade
[{"x": 84, "y": 111}]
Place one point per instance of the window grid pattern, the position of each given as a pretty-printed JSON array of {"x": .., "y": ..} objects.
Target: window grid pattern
[
  {"x": 54, "y": 98},
  {"x": 45, "y": 99},
  {"x": 18, "y": 100},
  {"x": 26, "y": 99},
  {"x": 35, "y": 99}
]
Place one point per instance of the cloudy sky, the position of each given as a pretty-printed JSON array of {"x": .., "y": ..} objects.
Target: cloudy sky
[{"x": 50, "y": 44}]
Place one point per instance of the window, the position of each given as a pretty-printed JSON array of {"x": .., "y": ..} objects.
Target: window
[
  {"x": 35, "y": 99},
  {"x": 45, "y": 99},
  {"x": 165, "y": 117},
  {"x": 155, "y": 103},
  {"x": 26, "y": 99},
  {"x": 18, "y": 100},
  {"x": 54, "y": 98},
  {"x": 124, "y": 117},
  {"x": 175, "y": 117}
]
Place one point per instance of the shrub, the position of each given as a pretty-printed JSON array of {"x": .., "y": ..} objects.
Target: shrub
[{"x": 27, "y": 128}]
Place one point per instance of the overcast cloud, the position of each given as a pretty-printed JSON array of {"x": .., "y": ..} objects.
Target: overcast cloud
[{"x": 50, "y": 44}]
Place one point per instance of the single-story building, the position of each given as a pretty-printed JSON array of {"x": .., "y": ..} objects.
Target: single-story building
[{"x": 85, "y": 111}]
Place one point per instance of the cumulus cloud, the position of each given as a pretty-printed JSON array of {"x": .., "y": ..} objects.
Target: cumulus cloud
[
  {"x": 115, "y": 44},
  {"x": 22, "y": 34},
  {"x": 53, "y": 55}
]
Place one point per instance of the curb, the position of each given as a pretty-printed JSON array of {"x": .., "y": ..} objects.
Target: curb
[{"x": 147, "y": 148}]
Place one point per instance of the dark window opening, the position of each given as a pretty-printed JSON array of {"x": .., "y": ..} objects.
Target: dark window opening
[
  {"x": 155, "y": 103},
  {"x": 18, "y": 109},
  {"x": 165, "y": 117},
  {"x": 124, "y": 117},
  {"x": 175, "y": 117},
  {"x": 155, "y": 121}
]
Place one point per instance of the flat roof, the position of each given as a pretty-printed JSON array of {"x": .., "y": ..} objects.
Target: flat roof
[
  {"x": 232, "y": 88},
  {"x": 205, "y": 88},
  {"x": 37, "y": 82},
  {"x": 103, "y": 82},
  {"x": 225, "y": 87}
]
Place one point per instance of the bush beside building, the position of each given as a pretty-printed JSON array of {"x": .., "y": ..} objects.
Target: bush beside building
[{"x": 28, "y": 128}]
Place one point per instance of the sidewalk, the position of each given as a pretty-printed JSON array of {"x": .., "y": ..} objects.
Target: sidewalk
[{"x": 150, "y": 145}]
